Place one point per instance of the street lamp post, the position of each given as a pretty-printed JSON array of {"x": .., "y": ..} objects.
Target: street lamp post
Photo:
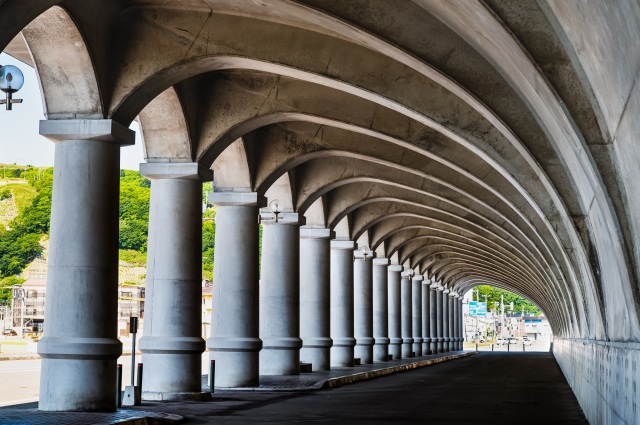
[{"x": 11, "y": 80}]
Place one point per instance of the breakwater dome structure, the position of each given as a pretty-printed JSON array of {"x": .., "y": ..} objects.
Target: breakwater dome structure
[{"x": 463, "y": 141}]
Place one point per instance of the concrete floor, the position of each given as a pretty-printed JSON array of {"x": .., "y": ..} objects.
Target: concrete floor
[{"x": 489, "y": 388}]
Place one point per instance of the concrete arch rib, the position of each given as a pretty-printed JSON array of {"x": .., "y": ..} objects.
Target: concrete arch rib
[
  {"x": 549, "y": 189},
  {"x": 14, "y": 16},
  {"x": 471, "y": 21},
  {"x": 277, "y": 69},
  {"x": 64, "y": 67},
  {"x": 561, "y": 253},
  {"x": 439, "y": 226},
  {"x": 163, "y": 122}
]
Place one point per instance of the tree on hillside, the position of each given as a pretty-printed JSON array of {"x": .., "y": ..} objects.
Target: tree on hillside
[{"x": 494, "y": 295}]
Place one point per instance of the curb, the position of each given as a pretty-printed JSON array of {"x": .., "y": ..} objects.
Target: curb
[
  {"x": 357, "y": 377},
  {"x": 363, "y": 376}
]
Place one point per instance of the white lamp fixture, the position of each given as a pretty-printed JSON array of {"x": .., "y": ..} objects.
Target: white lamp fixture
[{"x": 11, "y": 80}]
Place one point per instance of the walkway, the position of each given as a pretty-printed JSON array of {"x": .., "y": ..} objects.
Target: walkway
[{"x": 489, "y": 388}]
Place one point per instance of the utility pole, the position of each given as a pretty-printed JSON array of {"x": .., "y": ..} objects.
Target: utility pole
[{"x": 502, "y": 315}]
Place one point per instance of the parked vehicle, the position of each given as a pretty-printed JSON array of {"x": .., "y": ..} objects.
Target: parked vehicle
[
  {"x": 512, "y": 340},
  {"x": 501, "y": 341},
  {"x": 9, "y": 332},
  {"x": 526, "y": 340}
]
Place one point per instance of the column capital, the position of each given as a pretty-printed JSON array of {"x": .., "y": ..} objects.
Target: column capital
[
  {"x": 446, "y": 290},
  {"x": 316, "y": 233},
  {"x": 267, "y": 218},
  {"x": 453, "y": 294},
  {"x": 395, "y": 268},
  {"x": 343, "y": 244},
  {"x": 381, "y": 261},
  {"x": 176, "y": 170},
  {"x": 405, "y": 274},
  {"x": 95, "y": 130},
  {"x": 418, "y": 278},
  {"x": 249, "y": 199}
]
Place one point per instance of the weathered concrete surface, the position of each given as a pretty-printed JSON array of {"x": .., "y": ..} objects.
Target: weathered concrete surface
[{"x": 604, "y": 377}]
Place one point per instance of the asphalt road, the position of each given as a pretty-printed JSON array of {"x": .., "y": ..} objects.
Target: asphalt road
[{"x": 489, "y": 388}]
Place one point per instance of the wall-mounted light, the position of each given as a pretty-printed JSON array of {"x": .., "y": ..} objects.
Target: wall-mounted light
[
  {"x": 275, "y": 207},
  {"x": 365, "y": 251},
  {"x": 11, "y": 80}
]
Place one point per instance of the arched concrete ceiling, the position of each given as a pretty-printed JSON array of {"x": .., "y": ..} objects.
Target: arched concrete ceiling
[{"x": 467, "y": 139}]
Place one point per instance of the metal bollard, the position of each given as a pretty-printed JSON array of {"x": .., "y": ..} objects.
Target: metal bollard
[
  {"x": 140, "y": 375},
  {"x": 119, "y": 385},
  {"x": 508, "y": 346},
  {"x": 523, "y": 347},
  {"x": 476, "y": 346},
  {"x": 212, "y": 375},
  {"x": 491, "y": 347}
]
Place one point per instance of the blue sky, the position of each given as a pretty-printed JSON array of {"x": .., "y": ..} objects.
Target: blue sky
[{"x": 20, "y": 142}]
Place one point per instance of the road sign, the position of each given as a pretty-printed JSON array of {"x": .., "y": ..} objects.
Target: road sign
[{"x": 477, "y": 308}]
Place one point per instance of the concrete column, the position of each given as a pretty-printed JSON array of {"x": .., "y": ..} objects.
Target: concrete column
[
  {"x": 172, "y": 344},
  {"x": 460, "y": 325},
  {"x": 439, "y": 316},
  {"x": 342, "y": 303},
  {"x": 456, "y": 323},
  {"x": 314, "y": 297},
  {"x": 395, "y": 328},
  {"x": 416, "y": 309},
  {"x": 363, "y": 307},
  {"x": 452, "y": 336},
  {"x": 280, "y": 295},
  {"x": 445, "y": 320},
  {"x": 406, "y": 315},
  {"x": 380, "y": 309},
  {"x": 234, "y": 343},
  {"x": 426, "y": 322},
  {"x": 80, "y": 346},
  {"x": 433, "y": 318}
]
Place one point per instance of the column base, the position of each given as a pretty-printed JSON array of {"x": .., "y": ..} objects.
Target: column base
[
  {"x": 277, "y": 361},
  {"x": 342, "y": 356},
  {"x": 77, "y": 385},
  {"x": 172, "y": 365},
  {"x": 236, "y": 368},
  {"x": 381, "y": 352},
  {"x": 365, "y": 353},
  {"x": 176, "y": 396},
  {"x": 395, "y": 350},
  {"x": 319, "y": 357},
  {"x": 417, "y": 348},
  {"x": 433, "y": 348},
  {"x": 407, "y": 350}
]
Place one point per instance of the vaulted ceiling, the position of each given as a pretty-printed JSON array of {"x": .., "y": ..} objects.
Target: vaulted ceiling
[{"x": 467, "y": 139}]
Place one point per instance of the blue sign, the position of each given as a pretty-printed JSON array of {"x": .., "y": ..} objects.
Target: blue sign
[{"x": 477, "y": 308}]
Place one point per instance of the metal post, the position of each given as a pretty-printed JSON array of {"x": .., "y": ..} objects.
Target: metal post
[
  {"x": 491, "y": 347},
  {"x": 133, "y": 329},
  {"x": 119, "y": 385},
  {"x": 508, "y": 346},
  {"x": 523, "y": 346},
  {"x": 140, "y": 375},
  {"x": 212, "y": 375}
]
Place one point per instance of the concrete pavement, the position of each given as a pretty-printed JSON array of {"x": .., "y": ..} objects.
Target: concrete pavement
[{"x": 489, "y": 388}]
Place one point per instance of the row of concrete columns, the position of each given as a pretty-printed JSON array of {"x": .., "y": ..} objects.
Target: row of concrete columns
[
  {"x": 350, "y": 306},
  {"x": 339, "y": 306}
]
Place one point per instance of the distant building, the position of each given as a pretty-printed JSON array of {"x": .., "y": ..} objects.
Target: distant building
[{"x": 207, "y": 298}]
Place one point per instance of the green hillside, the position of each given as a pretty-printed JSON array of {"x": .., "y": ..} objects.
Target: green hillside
[{"x": 25, "y": 206}]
